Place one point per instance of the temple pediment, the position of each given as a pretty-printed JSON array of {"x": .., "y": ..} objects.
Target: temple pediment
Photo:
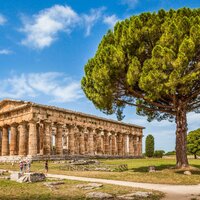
[{"x": 8, "y": 104}]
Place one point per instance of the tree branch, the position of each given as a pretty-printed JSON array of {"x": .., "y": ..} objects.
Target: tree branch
[
  {"x": 147, "y": 108},
  {"x": 141, "y": 96}
]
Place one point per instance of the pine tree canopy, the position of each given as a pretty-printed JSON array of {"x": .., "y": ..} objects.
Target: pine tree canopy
[{"x": 151, "y": 61}]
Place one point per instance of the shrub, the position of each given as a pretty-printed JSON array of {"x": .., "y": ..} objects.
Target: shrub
[
  {"x": 170, "y": 153},
  {"x": 159, "y": 153}
]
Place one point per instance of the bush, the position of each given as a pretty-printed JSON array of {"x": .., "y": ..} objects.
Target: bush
[
  {"x": 159, "y": 153},
  {"x": 149, "y": 147},
  {"x": 170, "y": 153}
]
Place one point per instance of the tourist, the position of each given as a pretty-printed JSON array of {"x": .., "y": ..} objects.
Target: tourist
[
  {"x": 46, "y": 167},
  {"x": 25, "y": 166},
  {"x": 21, "y": 166},
  {"x": 28, "y": 163}
]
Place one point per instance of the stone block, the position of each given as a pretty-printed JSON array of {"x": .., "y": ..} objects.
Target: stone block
[
  {"x": 36, "y": 177},
  {"x": 15, "y": 176},
  {"x": 89, "y": 186},
  {"x": 23, "y": 179},
  {"x": 189, "y": 173},
  {"x": 152, "y": 169},
  {"x": 99, "y": 195}
]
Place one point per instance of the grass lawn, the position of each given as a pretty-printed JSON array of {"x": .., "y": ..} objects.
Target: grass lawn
[
  {"x": 137, "y": 171},
  {"x": 10, "y": 190}
]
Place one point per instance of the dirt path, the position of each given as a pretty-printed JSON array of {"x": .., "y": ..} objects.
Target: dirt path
[{"x": 173, "y": 192}]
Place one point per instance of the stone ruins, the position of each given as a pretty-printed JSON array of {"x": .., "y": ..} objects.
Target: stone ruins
[{"x": 39, "y": 131}]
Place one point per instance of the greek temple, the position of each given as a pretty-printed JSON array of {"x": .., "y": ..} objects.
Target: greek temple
[{"x": 35, "y": 130}]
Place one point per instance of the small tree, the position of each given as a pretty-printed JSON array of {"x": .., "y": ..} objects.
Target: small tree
[
  {"x": 193, "y": 142},
  {"x": 149, "y": 146}
]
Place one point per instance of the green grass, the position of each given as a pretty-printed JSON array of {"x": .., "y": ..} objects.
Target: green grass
[
  {"x": 10, "y": 190},
  {"x": 138, "y": 171}
]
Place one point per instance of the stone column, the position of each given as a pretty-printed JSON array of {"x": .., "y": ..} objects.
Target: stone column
[
  {"x": 5, "y": 141},
  {"x": 91, "y": 141},
  {"x": 131, "y": 148},
  {"x": 120, "y": 144},
  {"x": 41, "y": 135},
  {"x": 82, "y": 140},
  {"x": 126, "y": 144},
  {"x": 135, "y": 145},
  {"x": 13, "y": 140},
  {"x": 47, "y": 138},
  {"x": 139, "y": 145},
  {"x": 98, "y": 139},
  {"x": 113, "y": 150},
  {"x": 59, "y": 143},
  {"x": 23, "y": 139},
  {"x": 106, "y": 142},
  {"x": 71, "y": 139},
  {"x": 32, "y": 138}
]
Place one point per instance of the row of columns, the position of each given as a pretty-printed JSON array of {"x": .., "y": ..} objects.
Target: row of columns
[{"x": 31, "y": 138}]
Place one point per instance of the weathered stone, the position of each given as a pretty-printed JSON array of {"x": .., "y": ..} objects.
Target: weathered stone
[
  {"x": 15, "y": 176},
  {"x": 53, "y": 185},
  {"x": 32, "y": 177},
  {"x": 2, "y": 172},
  {"x": 29, "y": 128},
  {"x": 99, "y": 195},
  {"x": 189, "y": 173},
  {"x": 23, "y": 179},
  {"x": 134, "y": 195},
  {"x": 152, "y": 169},
  {"x": 5, "y": 177},
  {"x": 36, "y": 177},
  {"x": 89, "y": 186},
  {"x": 82, "y": 162}
]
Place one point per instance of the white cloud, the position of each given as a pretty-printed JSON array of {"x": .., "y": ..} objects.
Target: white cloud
[
  {"x": 2, "y": 19},
  {"x": 110, "y": 20},
  {"x": 5, "y": 52},
  {"x": 130, "y": 3},
  {"x": 42, "y": 29},
  {"x": 89, "y": 20},
  {"x": 56, "y": 86}
]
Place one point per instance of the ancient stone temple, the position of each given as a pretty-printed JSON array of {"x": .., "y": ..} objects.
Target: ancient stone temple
[{"x": 30, "y": 129}]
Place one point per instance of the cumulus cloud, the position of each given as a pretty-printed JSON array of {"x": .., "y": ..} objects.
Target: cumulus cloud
[
  {"x": 56, "y": 86},
  {"x": 110, "y": 20},
  {"x": 2, "y": 19},
  {"x": 5, "y": 52},
  {"x": 130, "y": 3},
  {"x": 42, "y": 29}
]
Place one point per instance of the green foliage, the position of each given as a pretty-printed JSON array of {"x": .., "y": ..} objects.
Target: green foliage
[
  {"x": 150, "y": 61},
  {"x": 170, "y": 153},
  {"x": 158, "y": 153},
  {"x": 193, "y": 142},
  {"x": 149, "y": 146}
]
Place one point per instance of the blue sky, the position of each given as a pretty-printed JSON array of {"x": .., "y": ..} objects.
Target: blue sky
[{"x": 45, "y": 44}]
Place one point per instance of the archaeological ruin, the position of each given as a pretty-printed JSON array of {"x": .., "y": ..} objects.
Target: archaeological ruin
[{"x": 40, "y": 131}]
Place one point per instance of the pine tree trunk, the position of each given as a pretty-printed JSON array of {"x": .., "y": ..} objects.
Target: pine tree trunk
[
  {"x": 195, "y": 156},
  {"x": 181, "y": 135}
]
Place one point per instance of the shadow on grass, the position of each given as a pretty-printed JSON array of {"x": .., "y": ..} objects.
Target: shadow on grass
[
  {"x": 194, "y": 172},
  {"x": 158, "y": 168},
  {"x": 40, "y": 197},
  {"x": 197, "y": 166}
]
